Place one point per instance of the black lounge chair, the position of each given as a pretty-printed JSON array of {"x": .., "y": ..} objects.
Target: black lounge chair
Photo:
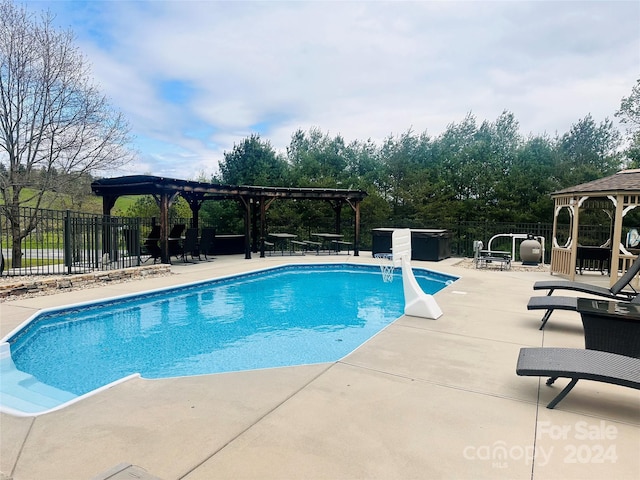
[
  {"x": 578, "y": 364},
  {"x": 615, "y": 292},
  {"x": 558, "y": 303},
  {"x": 611, "y": 354}
]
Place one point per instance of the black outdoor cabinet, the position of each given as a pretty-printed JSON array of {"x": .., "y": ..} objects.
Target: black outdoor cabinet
[
  {"x": 381, "y": 240},
  {"x": 426, "y": 244},
  {"x": 228, "y": 245}
]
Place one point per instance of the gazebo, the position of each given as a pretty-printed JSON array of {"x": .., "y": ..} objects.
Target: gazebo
[
  {"x": 253, "y": 199},
  {"x": 617, "y": 195}
]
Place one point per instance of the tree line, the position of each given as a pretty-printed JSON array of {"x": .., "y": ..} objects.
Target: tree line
[{"x": 473, "y": 171}]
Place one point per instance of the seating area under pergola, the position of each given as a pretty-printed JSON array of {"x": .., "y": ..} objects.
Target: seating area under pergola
[
  {"x": 255, "y": 200},
  {"x": 617, "y": 195}
]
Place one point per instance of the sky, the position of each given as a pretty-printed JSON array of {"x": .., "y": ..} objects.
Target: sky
[{"x": 195, "y": 78}]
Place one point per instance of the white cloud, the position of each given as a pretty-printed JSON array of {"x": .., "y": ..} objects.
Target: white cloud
[{"x": 359, "y": 69}]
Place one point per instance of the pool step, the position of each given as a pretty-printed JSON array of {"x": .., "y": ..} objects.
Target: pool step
[{"x": 25, "y": 393}]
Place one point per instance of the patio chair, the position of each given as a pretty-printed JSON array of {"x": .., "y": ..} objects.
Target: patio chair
[
  {"x": 611, "y": 353},
  {"x": 558, "y": 303},
  {"x": 151, "y": 246},
  {"x": 207, "y": 239},
  {"x": 190, "y": 244},
  {"x": 578, "y": 364},
  {"x": 176, "y": 230},
  {"x": 175, "y": 235},
  {"x": 615, "y": 292}
]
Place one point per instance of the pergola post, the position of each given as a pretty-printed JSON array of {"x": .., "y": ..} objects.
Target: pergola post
[
  {"x": 337, "y": 208},
  {"x": 108, "y": 201},
  {"x": 356, "y": 239},
  {"x": 246, "y": 201},
  {"x": 254, "y": 225},
  {"x": 355, "y": 206},
  {"x": 263, "y": 219},
  {"x": 195, "y": 203},
  {"x": 165, "y": 203}
]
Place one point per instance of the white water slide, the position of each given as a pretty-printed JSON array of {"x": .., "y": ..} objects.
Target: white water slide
[{"x": 416, "y": 302}]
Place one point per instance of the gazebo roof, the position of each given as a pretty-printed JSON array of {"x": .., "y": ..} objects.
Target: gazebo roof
[{"x": 623, "y": 181}]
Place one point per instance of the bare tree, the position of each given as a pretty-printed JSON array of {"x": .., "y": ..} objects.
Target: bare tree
[{"x": 55, "y": 126}]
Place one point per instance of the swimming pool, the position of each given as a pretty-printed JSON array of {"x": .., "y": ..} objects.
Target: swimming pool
[{"x": 287, "y": 315}]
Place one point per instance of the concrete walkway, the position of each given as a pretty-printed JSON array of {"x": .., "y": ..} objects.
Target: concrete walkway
[{"x": 423, "y": 399}]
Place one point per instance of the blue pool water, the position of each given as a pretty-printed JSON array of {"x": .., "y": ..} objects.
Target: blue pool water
[{"x": 283, "y": 316}]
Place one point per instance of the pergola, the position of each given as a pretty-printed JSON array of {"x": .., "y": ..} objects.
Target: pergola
[
  {"x": 252, "y": 198},
  {"x": 618, "y": 195}
]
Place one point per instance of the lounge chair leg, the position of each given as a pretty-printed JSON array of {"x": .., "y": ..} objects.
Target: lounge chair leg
[
  {"x": 550, "y": 380},
  {"x": 545, "y": 318},
  {"x": 563, "y": 393}
]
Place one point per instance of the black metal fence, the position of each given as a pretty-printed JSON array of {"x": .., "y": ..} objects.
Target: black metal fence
[
  {"x": 66, "y": 242},
  {"x": 463, "y": 234},
  {"x": 53, "y": 242},
  {"x": 46, "y": 242}
]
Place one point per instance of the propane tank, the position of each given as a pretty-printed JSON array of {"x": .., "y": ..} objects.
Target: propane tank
[{"x": 530, "y": 251}]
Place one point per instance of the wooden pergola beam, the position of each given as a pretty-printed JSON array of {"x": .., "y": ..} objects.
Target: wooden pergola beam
[{"x": 165, "y": 190}]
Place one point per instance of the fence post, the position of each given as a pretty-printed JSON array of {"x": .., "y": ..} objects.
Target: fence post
[
  {"x": 67, "y": 241},
  {"x": 136, "y": 239}
]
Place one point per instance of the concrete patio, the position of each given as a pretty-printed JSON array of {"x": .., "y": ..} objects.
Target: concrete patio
[{"x": 422, "y": 399}]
